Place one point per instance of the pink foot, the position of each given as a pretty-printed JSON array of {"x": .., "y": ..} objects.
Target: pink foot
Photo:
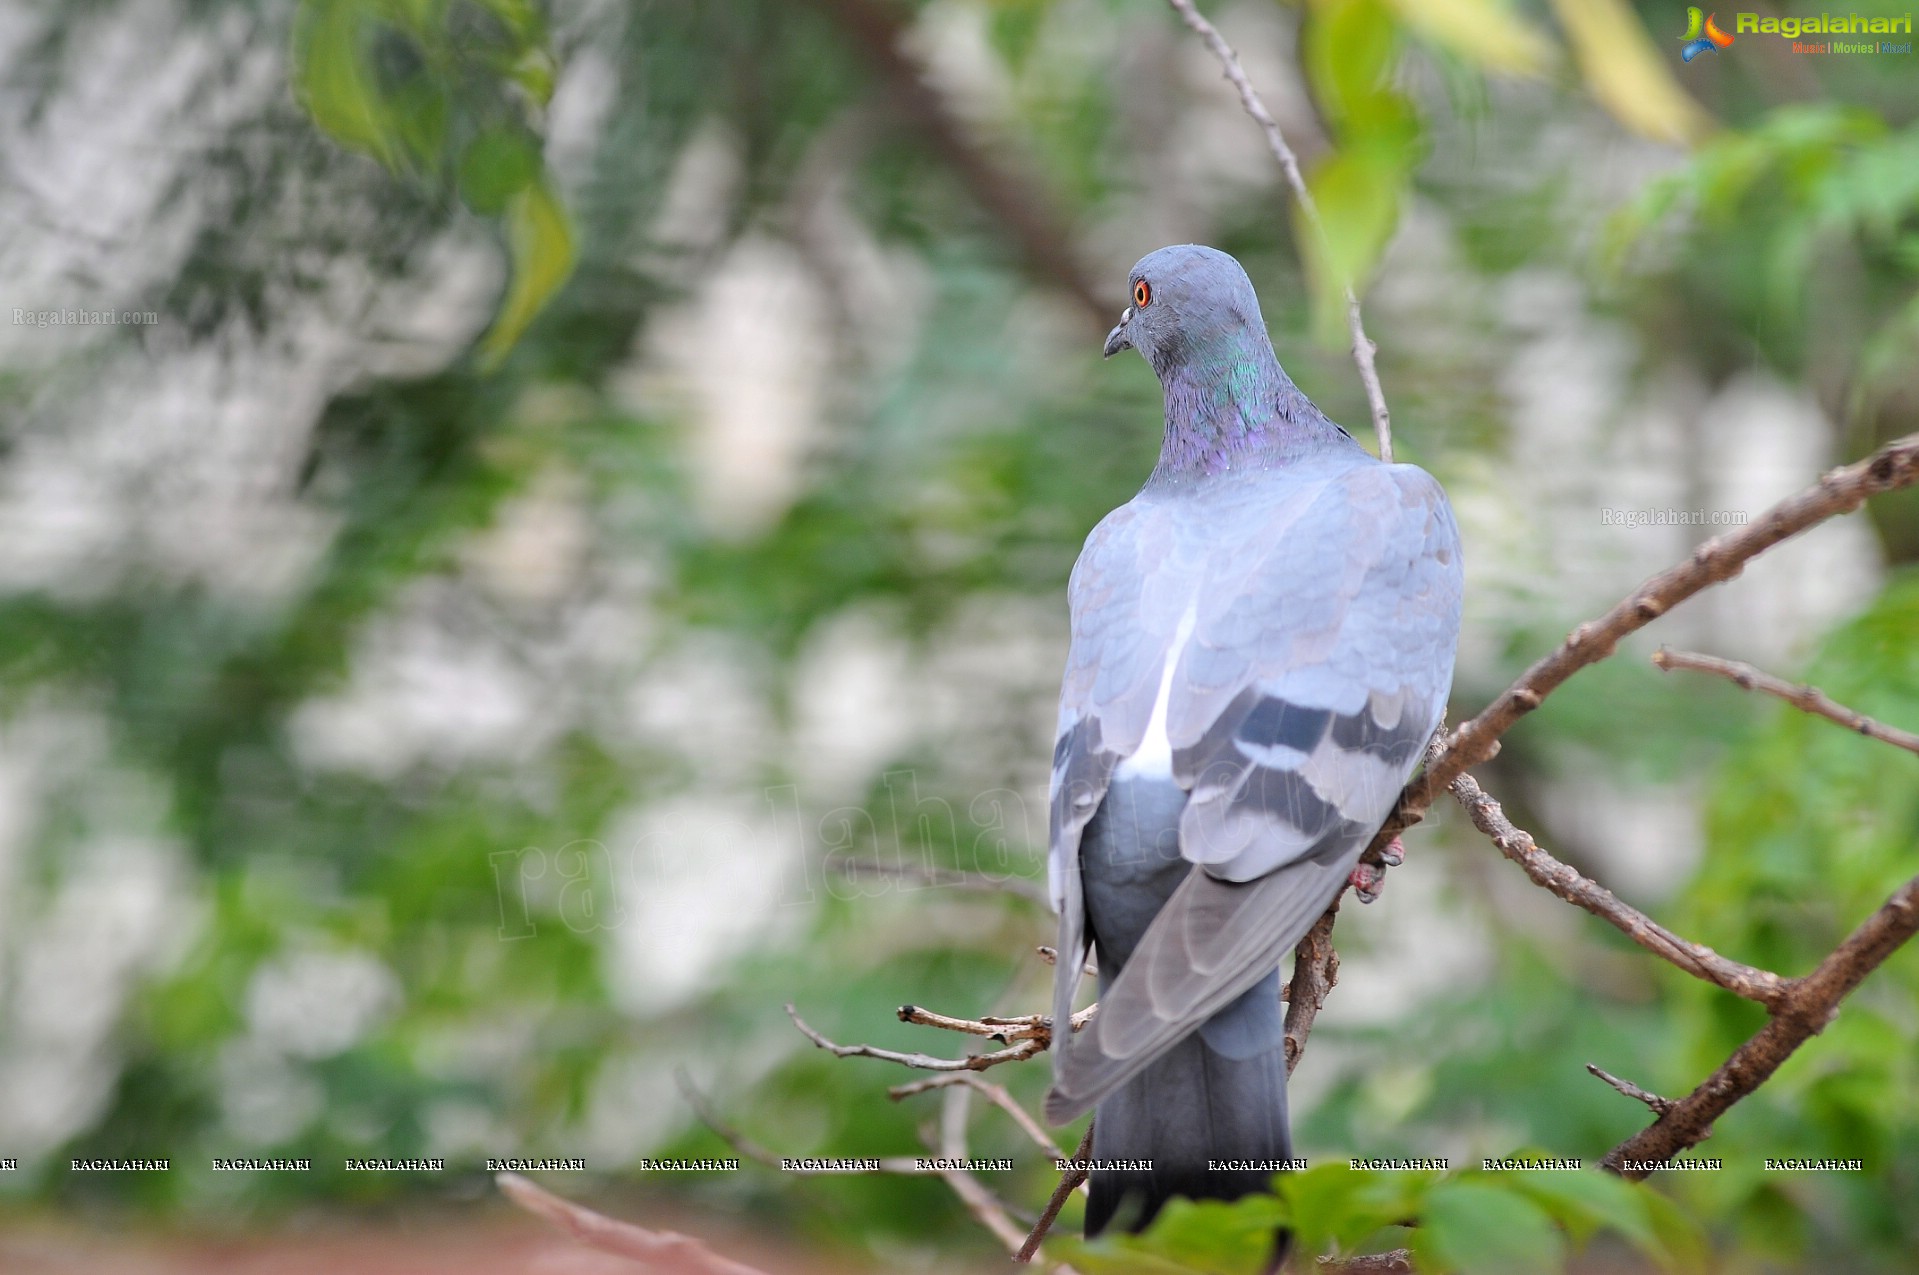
[
  {"x": 1394, "y": 853},
  {"x": 1367, "y": 881}
]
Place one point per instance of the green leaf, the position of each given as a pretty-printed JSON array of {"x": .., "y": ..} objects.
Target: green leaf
[
  {"x": 1589, "y": 1199},
  {"x": 1334, "y": 1206},
  {"x": 1119, "y": 1255},
  {"x": 333, "y": 79},
  {"x": 1474, "y": 1227},
  {"x": 497, "y": 165},
  {"x": 1230, "y": 1239},
  {"x": 1485, "y": 33},
  {"x": 1630, "y": 77},
  {"x": 541, "y": 241}
]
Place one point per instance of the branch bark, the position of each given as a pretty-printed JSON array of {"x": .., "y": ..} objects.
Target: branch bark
[
  {"x": 1810, "y": 1003},
  {"x": 1809, "y": 699},
  {"x": 1014, "y": 200},
  {"x": 610, "y": 1235},
  {"x": 1069, "y": 1181},
  {"x": 1566, "y": 882},
  {"x": 1840, "y": 491}
]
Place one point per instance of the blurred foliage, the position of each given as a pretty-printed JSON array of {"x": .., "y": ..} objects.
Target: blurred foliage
[
  {"x": 957, "y": 473},
  {"x": 1509, "y": 1222}
]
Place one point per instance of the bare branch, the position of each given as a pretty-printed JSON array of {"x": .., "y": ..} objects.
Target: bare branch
[
  {"x": 649, "y": 1248},
  {"x": 983, "y": 1204},
  {"x": 1810, "y": 1003},
  {"x": 1808, "y": 699},
  {"x": 1014, "y": 198},
  {"x": 1397, "y": 1262},
  {"x": 1363, "y": 348},
  {"x": 1026, "y": 1048},
  {"x": 1315, "y": 972},
  {"x": 1069, "y": 1181},
  {"x": 1840, "y": 491},
  {"x": 1566, "y": 882},
  {"x": 711, "y": 1119},
  {"x": 1660, "y": 1106},
  {"x": 996, "y": 1094}
]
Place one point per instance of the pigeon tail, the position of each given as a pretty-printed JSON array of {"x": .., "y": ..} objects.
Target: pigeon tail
[{"x": 1193, "y": 1109}]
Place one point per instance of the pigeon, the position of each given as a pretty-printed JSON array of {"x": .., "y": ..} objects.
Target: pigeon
[{"x": 1262, "y": 645}]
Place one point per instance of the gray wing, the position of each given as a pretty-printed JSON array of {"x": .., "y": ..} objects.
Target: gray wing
[{"x": 1316, "y": 667}]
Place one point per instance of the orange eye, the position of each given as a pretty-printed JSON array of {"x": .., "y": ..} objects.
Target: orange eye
[{"x": 1142, "y": 294}]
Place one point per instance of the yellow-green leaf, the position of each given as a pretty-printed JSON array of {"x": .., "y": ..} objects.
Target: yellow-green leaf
[
  {"x": 333, "y": 80},
  {"x": 541, "y": 241},
  {"x": 1627, "y": 74},
  {"x": 1483, "y": 32}
]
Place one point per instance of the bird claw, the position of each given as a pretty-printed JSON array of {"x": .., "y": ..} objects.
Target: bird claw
[
  {"x": 1393, "y": 853},
  {"x": 1367, "y": 881}
]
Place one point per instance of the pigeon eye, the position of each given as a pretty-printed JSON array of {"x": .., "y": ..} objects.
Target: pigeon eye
[{"x": 1142, "y": 294}]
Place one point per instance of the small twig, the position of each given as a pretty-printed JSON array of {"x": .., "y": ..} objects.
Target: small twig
[
  {"x": 1315, "y": 972},
  {"x": 752, "y": 1150},
  {"x": 1051, "y": 957},
  {"x": 1363, "y": 348},
  {"x": 1659, "y": 1105},
  {"x": 1840, "y": 491},
  {"x": 1008, "y": 1029},
  {"x": 1025, "y": 1048},
  {"x": 1397, "y": 1262},
  {"x": 996, "y": 1094},
  {"x": 1566, "y": 882},
  {"x": 1069, "y": 1181},
  {"x": 1808, "y": 699},
  {"x": 1810, "y": 1003},
  {"x": 726, "y": 1133},
  {"x": 654, "y": 1249}
]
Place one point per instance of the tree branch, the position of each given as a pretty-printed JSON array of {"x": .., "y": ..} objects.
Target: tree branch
[
  {"x": 1069, "y": 1181},
  {"x": 1810, "y": 1003},
  {"x": 1315, "y": 973},
  {"x": 1840, "y": 491},
  {"x": 1363, "y": 348},
  {"x": 649, "y": 1248},
  {"x": 1015, "y": 201},
  {"x": 1566, "y": 882},
  {"x": 1660, "y": 1106},
  {"x": 1025, "y": 1048},
  {"x": 996, "y": 1094},
  {"x": 1808, "y": 699}
]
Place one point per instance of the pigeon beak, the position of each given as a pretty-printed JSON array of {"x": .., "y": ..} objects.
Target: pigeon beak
[{"x": 1116, "y": 339}]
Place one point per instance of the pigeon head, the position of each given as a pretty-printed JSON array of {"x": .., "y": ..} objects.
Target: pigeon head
[
  {"x": 1229, "y": 404},
  {"x": 1190, "y": 304}
]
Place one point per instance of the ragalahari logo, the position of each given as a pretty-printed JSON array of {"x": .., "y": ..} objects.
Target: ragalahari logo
[{"x": 1702, "y": 37}]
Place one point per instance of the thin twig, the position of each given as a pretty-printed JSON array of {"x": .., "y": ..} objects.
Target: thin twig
[
  {"x": 1840, "y": 491},
  {"x": 1566, "y": 882},
  {"x": 1811, "y": 1002},
  {"x": 983, "y": 1204},
  {"x": 654, "y": 1249},
  {"x": 1397, "y": 1262},
  {"x": 752, "y": 1150},
  {"x": 1660, "y": 1106},
  {"x": 1363, "y": 348},
  {"x": 1051, "y": 957},
  {"x": 1025, "y": 1048},
  {"x": 1808, "y": 699},
  {"x": 1071, "y": 1180},
  {"x": 1011, "y": 194},
  {"x": 996, "y": 1094}
]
